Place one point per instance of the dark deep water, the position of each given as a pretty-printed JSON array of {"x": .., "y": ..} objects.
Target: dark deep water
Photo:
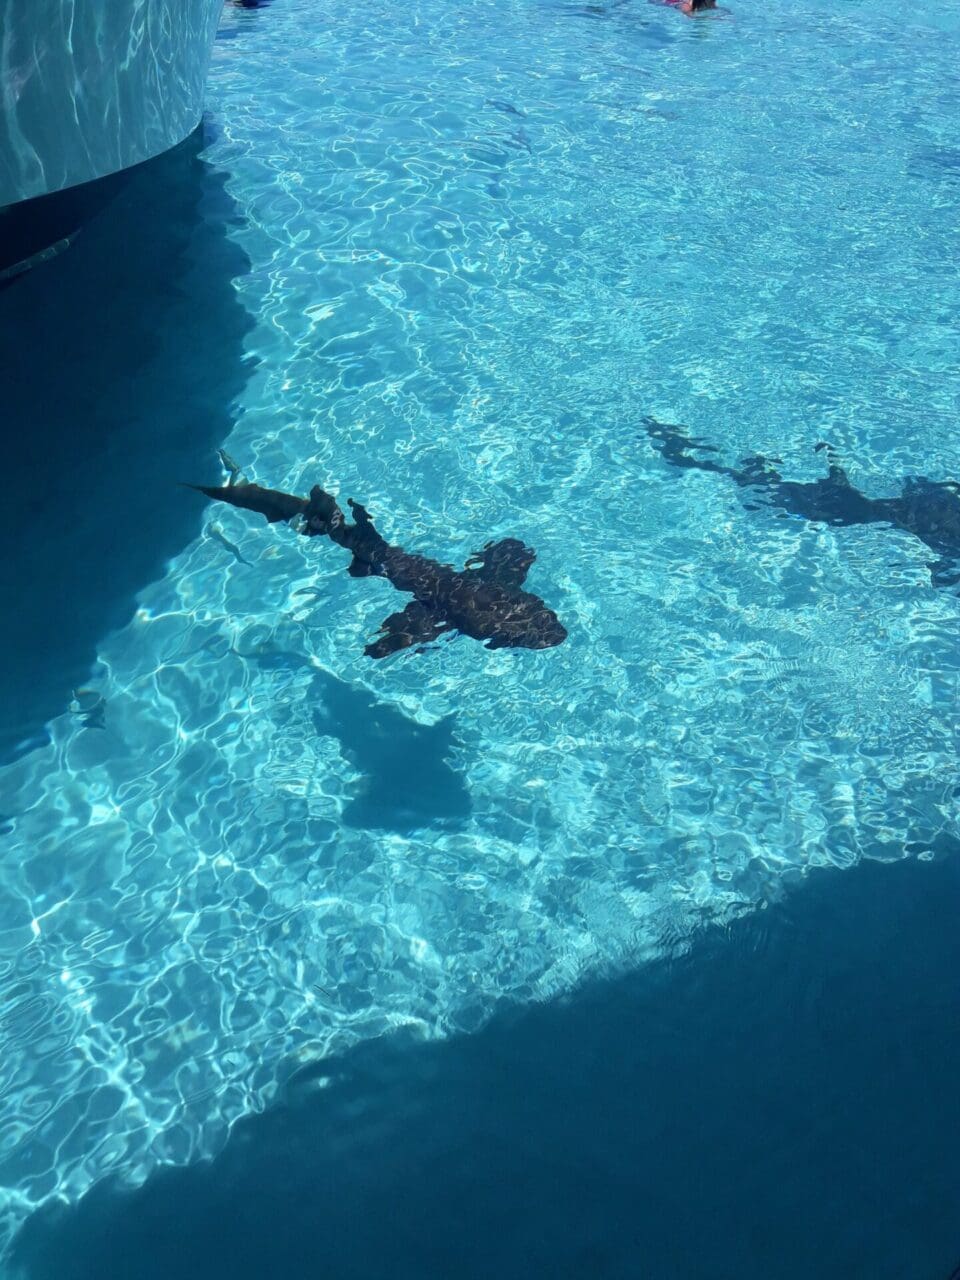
[
  {"x": 120, "y": 361},
  {"x": 782, "y": 1102}
]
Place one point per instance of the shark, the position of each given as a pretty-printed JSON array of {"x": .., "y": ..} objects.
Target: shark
[
  {"x": 928, "y": 510},
  {"x": 484, "y": 600}
]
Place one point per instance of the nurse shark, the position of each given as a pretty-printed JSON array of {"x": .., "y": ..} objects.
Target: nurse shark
[
  {"x": 484, "y": 600},
  {"x": 927, "y": 509}
]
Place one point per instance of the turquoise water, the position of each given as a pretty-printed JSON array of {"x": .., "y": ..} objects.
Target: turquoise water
[{"x": 482, "y": 245}]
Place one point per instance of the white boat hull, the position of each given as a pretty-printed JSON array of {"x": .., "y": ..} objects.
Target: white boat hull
[{"x": 91, "y": 87}]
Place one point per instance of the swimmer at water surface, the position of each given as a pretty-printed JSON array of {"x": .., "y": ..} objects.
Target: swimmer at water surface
[{"x": 690, "y": 7}]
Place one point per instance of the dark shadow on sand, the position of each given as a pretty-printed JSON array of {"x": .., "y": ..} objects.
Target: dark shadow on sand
[
  {"x": 407, "y": 780},
  {"x": 120, "y": 361},
  {"x": 782, "y": 1103}
]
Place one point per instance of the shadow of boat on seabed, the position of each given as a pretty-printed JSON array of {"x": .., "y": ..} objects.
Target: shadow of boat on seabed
[
  {"x": 779, "y": 1102},
  {"x": 121, "y": 358}
]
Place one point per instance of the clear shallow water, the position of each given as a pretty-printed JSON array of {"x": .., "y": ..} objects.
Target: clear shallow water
[{"x": 483, "y": 245}]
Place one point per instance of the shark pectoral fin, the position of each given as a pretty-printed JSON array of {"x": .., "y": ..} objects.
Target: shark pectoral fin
[
  {"x": 360, "y": 513},
  {"x": 416, "y": 624},
  {"x": 361, "y": 569},
  {"x": 506, "y": 562}
]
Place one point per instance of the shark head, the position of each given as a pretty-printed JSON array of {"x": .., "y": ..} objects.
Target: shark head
[{"x": 535, "y": 627}]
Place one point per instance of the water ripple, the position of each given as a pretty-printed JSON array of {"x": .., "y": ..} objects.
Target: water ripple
[{"x": 464, "y": 311}]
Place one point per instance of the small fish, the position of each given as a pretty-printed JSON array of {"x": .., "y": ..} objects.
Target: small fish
[
  {"x": 232, "y": 468},
  {"x": 508, "y": 107},
  {"x": 91, "y": 707},
  {"x": 217, "y": 534}
]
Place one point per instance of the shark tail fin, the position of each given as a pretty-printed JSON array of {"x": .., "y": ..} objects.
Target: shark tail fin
[{"x": 208, "y": 490}]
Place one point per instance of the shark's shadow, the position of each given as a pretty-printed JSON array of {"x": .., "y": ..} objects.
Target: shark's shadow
[
  {"x": 407, "y": 780},
  {"x": 938, "y": 164},
  {"x": 929, "y": 510}
]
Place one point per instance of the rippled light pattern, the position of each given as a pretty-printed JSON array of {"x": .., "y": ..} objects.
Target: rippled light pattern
[
  {"x": 487, "y": 240},
  {"x": 89, "y": 87}
]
